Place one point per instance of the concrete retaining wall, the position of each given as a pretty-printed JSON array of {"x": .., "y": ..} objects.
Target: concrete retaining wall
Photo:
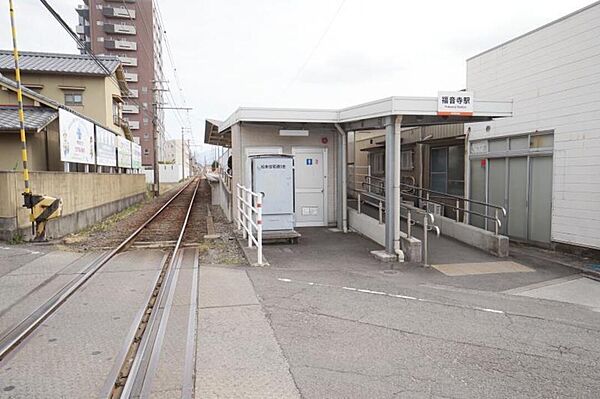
[
  {"x": 222, "y": 198},
  {"x": 87, "y": 199},
  {"x": 471, "y": 235},
  {"x": 371, "y": 228}
]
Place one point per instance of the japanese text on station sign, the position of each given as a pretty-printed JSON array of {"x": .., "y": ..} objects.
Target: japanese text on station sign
[{"x": 455, "y": 103}]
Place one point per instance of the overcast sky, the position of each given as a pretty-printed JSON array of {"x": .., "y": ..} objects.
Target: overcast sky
[{"x": 309, "y": 53}]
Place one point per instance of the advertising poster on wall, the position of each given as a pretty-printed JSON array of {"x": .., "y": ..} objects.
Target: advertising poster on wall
[
  {"x": 106, "y": 147},
  {"x": 136, "y": 156},
  {"x": 123, "y": 152},
  {"x": 76, "y": 138}
]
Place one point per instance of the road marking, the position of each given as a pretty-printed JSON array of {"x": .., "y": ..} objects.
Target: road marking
[{"x": 399, "y": 296}]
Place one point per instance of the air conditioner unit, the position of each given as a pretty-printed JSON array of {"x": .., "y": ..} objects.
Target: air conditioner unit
[{"x": 434, "y": 208}]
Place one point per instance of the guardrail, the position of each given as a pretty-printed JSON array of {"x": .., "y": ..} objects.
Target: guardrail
[{"x": 249, "y": 218}]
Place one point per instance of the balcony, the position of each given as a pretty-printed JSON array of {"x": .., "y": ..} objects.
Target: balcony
[
  {"x": 128, "y": 61},
  {"x": 131, "y": 109},
  {"x": 120, "y": 45},
  {"x": 133, "y": 93},
  {"x": 119, "y": 29},
  {"x": 118, "y": 12},
  {"x": 131, "y": 77},
  {"x": 134, "y": 125}
]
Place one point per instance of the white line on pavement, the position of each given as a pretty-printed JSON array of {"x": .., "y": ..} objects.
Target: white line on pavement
[{"x": 410, "y": 298}]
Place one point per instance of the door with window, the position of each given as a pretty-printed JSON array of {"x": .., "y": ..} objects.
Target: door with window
[{"x": 310, "y": 186}]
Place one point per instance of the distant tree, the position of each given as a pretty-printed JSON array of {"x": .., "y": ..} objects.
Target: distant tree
[{"x": 215, "y": 165}]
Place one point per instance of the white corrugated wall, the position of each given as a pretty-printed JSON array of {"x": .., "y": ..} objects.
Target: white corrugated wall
[{"x": 553, "y": 77}]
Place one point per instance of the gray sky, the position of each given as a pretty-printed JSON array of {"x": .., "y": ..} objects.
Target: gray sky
[{"x": 309, "y": 53}]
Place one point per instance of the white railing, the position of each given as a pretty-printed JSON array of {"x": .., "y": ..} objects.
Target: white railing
[{"x": 249, "y": 217}]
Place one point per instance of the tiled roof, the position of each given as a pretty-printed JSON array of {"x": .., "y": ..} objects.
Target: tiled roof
[
  {"x": 36, "y": 118},
  {"x": 57, "y": 63}
]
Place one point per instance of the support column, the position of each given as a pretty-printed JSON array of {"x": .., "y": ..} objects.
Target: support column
[
  {"x": 342, "y": 207},
  {"x": 397, "y": 175},
  {"x": 390, "y": 217}
]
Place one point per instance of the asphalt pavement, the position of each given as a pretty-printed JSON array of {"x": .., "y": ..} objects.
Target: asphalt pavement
[{"x": 351, "y": 328}]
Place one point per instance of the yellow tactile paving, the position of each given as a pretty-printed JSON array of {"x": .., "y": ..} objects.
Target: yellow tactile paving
[{"x": 466, "y": 269}]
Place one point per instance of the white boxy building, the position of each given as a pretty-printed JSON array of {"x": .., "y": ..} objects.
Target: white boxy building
[
  {"x": 543, "y": 164},
  {"x": 317, "y": 140}
]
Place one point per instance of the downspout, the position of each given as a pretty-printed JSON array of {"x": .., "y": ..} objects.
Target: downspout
[
  {"x": 397, "y": 175},
  {"x": 343, "y": 186}
]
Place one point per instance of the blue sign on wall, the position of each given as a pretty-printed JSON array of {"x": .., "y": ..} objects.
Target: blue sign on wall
[{"x": 309, "y": 161}]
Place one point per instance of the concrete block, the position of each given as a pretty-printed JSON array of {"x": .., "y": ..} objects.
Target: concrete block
[
  {"x": 412, "y": 248},
  {"x": 384, "y": 256}
]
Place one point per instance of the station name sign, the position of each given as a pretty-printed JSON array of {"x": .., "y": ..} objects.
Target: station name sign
[{"x": 455, "y": 103}]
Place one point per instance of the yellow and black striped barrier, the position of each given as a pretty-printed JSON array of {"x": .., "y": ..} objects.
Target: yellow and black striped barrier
[{"x": 43, "y": 207}]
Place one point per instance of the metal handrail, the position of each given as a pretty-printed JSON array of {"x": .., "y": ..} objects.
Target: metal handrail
[
  {"x": 414, "y": 189},
  {"x": 495, "y": 218},
  {"x": 249, "y": 217},
  {"x": 428, "y": 220},
  {"x": 456, "y": 197}
]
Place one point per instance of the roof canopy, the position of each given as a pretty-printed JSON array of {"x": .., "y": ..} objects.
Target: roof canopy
[
  {"x": 416, "y": 111},
  {"x": 36, "y": 118}
]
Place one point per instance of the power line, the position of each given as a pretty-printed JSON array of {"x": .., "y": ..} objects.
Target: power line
[{"x": 314, "y": 49}]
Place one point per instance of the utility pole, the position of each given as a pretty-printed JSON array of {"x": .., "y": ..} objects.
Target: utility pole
[
  {"x": 156, "y": 185},
  {"x": 182, "y": 153}
]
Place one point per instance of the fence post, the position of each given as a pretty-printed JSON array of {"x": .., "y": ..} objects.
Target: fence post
[
  {"x": 358, "y": 204},
  {"x": 457, "y": 210},
  {"x": 259, "y": 228},
  {"x": 238, "y": 207},
  {"x": 425, "y": 226},
  {"x": 249, "y": 217},
  {"x": 380, "y": 213},
  {"x": 408, "y": 222},
  {"x": 496, "y": 216}
]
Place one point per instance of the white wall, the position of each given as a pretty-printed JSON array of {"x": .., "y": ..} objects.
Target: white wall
[
  {"x": 263, "y": 135},
  {"x": 553, "y": 77},
  {"x": 171, "y": 173}
]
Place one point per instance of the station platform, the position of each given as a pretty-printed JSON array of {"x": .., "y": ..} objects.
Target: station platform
[{"x": 323, "y": 250}]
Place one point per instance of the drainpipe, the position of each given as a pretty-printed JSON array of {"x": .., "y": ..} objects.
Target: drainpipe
[
  {"x": 397, "y": 175},
  {"x": 342, "y": 182}
]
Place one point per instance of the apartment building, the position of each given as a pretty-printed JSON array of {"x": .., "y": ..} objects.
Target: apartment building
[{"x": 131, "y": 31}]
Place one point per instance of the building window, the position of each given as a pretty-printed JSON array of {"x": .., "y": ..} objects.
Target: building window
[
  {"x": 448, "y": 170},
  {"x": 117, "y": 112},
  {"x": 406, "y": 160},
  {"x": 74, "y": 98}
]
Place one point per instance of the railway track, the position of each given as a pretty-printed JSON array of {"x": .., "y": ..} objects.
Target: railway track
[{"x": 130, "y": 377}]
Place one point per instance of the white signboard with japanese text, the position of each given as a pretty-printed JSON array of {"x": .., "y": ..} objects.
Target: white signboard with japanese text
[
  {"x": 106, "y": 147},
  {"x": 123, "y": 152},
  {"x": 455, "y": 103},
  {"x": 76, "y": 138},
  {"x": 136, "y": 156}
]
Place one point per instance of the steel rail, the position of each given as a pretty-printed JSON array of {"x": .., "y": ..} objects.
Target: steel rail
[
  {"x": 17, "y": 334},
  {"x": 139, "y": 371}
]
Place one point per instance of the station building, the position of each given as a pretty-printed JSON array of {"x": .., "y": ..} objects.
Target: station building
[
  {"x": 319, "y": 141},
  {"x": 543, "y": 164}
]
